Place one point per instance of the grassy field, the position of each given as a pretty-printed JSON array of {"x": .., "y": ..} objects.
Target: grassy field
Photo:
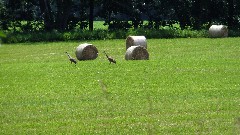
[{"x": 189, "y": 86}]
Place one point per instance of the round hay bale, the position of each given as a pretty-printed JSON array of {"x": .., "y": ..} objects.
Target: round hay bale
[
  {"x": 136, "y": 53},
  {"x": 136, "y": 41},
  {"x": 86, "y": 52},
  {"x": 218, "y": 31}
]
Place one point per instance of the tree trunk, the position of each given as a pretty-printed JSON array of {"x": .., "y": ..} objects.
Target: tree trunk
[
  {"x": 46, "y": 12},
  {"x": 230, "y": 19},
  {"x": 63, "y": 13},
  {"x": 196, "y": 13},
  {"x": 91, "y": 16},
  {"x": 182, "y": 13}
]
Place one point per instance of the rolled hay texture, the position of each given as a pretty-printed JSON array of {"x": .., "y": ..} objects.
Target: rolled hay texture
[
  {"x": 137, "y": 53},
  {"x": 136, "y": 41},
  {"x": 86, "y": 52},
  {"x": 218, "y": 31}
]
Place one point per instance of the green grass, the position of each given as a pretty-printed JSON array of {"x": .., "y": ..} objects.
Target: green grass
[
  {"x": 100, "y": 25},
  {"x": 189, "y": 86}
]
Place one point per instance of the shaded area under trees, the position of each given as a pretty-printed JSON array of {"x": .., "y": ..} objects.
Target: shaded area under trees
[{"x": 63, "y": 15}]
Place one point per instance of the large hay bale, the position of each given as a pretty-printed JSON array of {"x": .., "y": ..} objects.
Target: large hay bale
[
  {"x": 136, "y": 53},
  {"x": 136, "y": 41},
  {"x": 218, "y": 31},
  {"x": 86, "y": 52}
]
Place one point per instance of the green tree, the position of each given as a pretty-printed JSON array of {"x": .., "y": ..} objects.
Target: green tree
[
  {"x": 67, "y": 14},
  {"x": 2, "y": 34}
]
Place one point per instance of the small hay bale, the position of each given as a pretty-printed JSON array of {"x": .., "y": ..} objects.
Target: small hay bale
[
  {"x": 218, "y": 31},
  {"x": 86, "y": 52},
  {"x": 136, "y": 53},
  {"x": 136, "y": 41}
]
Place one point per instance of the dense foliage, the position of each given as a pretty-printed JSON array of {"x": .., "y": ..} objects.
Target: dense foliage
[{"x": 48, "y": 15}]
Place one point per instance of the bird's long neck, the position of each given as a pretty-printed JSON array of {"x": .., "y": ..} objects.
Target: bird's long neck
[
  {"x": 69, "y": 56},
  {"x": 106, "y": 54}
]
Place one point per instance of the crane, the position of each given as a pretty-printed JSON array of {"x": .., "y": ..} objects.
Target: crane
[
  {"x": 110, "y": 59},
  {"x": 72, "y": 60}
]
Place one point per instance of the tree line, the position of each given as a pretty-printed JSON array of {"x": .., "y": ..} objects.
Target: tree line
[{"x": 62, "y": 15}]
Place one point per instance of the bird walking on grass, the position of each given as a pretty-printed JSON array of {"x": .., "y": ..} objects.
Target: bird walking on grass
[
  {"x": 110, "y": 59},
  {"x": 72, "y": 60}
]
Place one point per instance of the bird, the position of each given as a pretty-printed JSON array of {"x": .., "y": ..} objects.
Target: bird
[
  {"x": 110, "y": 59},
  {"x": 72, "y": 60}
]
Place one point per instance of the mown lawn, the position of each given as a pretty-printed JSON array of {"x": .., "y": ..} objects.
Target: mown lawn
[{"x": 189, "y": 86}]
